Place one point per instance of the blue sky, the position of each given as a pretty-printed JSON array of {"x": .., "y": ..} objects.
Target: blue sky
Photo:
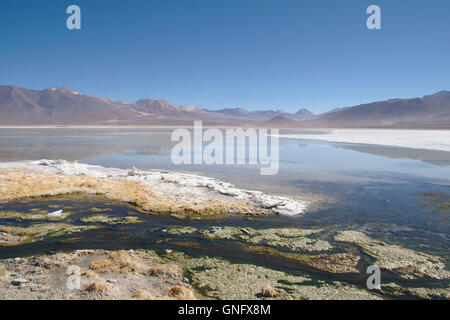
[{"x": 256, "y": 54}]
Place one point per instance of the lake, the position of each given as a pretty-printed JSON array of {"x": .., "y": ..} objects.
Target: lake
[{"x": 398, "y": 195}]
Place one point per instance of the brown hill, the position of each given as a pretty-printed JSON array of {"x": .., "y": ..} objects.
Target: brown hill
[
  {"x": 280, "y": 122},
  {"x": 20, "y": 106},
  {"x": 63, "y": 106},
  {"x": 432, "y": 111}
]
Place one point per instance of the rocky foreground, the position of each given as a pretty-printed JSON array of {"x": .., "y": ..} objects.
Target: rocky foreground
[
  {"x": 146, "y": 274},
  {"x": 92, "y": 274}
]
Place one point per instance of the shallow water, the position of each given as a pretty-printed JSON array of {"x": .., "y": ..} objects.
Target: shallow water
[{"x": 382, "y": 191}]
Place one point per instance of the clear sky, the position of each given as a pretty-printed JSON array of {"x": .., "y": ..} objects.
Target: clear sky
[{"x": 256, "y": 54}]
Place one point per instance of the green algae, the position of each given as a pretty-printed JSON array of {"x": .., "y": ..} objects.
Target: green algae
[
  {"x": 34, "y": 214},
  {"x": 409, "y": 263},
  {"x": 291, "y": 238},
  {"x": 336, "y": 263},
  {"x": 287, "y": 243},
  {"x": 179, "y": 230},
  {"x": 13, "y": 236},
  {"x": 218, "y": 278},
  {"x": 94, "y": 209},
  {"x": 108, "y": 219},
  {"x": 419, "y": 292},
  {"x": 438, "y": 202}
]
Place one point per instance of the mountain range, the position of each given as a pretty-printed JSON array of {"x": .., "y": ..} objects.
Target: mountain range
[{"x": 64, "y": 106}]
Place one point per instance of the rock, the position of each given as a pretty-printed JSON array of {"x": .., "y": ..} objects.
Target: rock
[
  {"x": 245, "y": 231},
  {"x": 289, "y": 208},
  {"x": 134, "y": 172},
  {"x": 16, "y": 275},
  {"x": 55, "y": 214},
  {"x": 19, "y": 281},
  {"x": 2, "y": 234},
  {"x": 271, "y": 292}
]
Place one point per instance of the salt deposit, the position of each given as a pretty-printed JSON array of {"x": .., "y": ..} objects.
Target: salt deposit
[
  {"x": 184, "y": 187},
  {"x": 414, "y": 139}
]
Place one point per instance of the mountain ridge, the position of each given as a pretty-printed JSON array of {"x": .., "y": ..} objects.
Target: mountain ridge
[{"x": 65, "y": 106}]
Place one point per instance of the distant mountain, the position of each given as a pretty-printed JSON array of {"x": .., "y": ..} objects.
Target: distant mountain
[
  {"x": 257, "y": 115},
  {"x": 63, "y": 106},
  {"x": 280, "y": 122},
  {"x": 232, "y": 112},
  {"x": 56, "y": 106},
  {"x": 431, "y": 111},
  {"x": 155, "y": 107},
  {"x": 266, "y": 114},
  {"x": 303, "y": 114}
]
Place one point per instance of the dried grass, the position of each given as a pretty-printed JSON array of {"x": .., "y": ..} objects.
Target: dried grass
[
  {"x": 119, "y": 261},
  {"x": 2, "y": 270},
  {"x": 97, "y": 287},
  {"x": 20, "y": 183},
  {"x": 180, "y": 293},
  {"x": 143, "y": 295},
  {"x": 271, "y": 292},
  {"x": 165, "y": 270},
  {"x": 89, "y": 273}
]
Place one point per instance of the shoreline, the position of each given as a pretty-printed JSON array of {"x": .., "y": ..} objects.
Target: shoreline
[{"x": 158, "y": 191}]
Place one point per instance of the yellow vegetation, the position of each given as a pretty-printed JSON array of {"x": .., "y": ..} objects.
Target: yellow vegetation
[
  {"x": 180, "y": 293},
  {"x": 89, "y": 273},
  {"x": 97, "y": 287},
  {"x": 143, "y": 295},
  {"x": 118, "y": 261},
  {"x": 177, "y": 292},
  {"x": 165, "y": 270},
  {"x": 20, "y": 183},
  {"x": 125, "y": 262},
  {"x": 2, "y": 270}
]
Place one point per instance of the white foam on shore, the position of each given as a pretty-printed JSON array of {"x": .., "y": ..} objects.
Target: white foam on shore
[
  {"x": 414, "y": 139},
  {"x": 167, "y": 183}
]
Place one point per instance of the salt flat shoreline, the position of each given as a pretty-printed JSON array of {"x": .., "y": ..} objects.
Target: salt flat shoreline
[
  {"x": 151, "y": 190},
  {"x": 413, "y": 139}
]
